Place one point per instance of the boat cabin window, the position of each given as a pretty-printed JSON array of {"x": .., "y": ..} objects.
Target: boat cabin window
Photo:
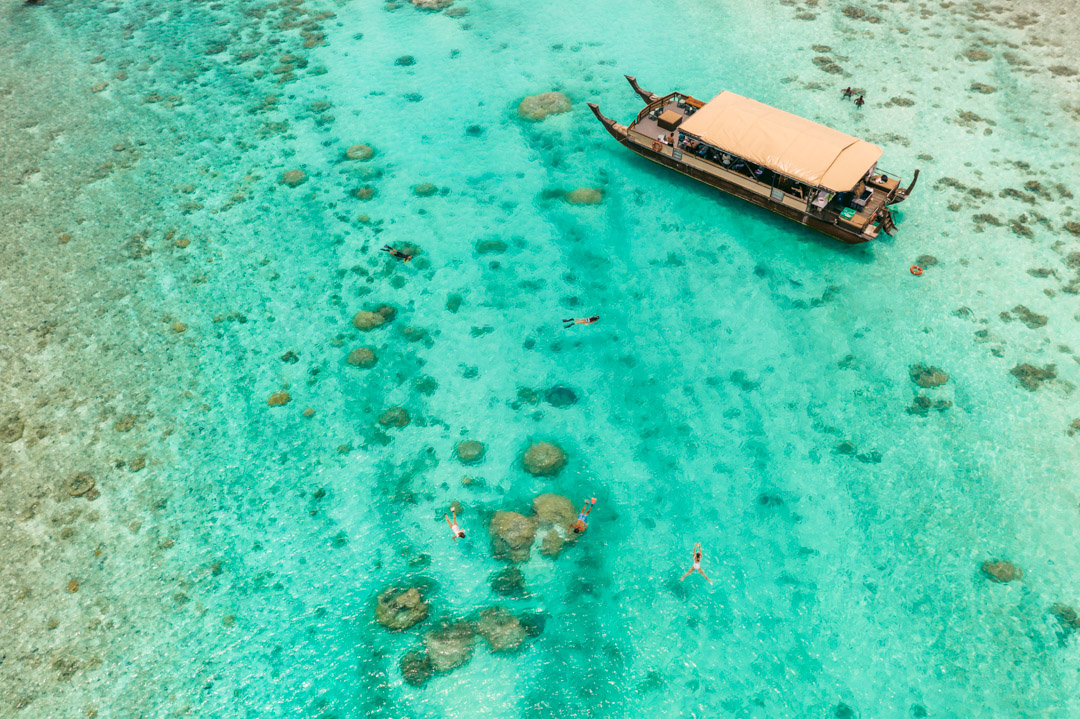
[{"x": 694, "y": 146}]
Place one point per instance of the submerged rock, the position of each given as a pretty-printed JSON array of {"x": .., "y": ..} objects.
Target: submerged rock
[
  {"x": 538, "y": 107},
  {"x": 433, "y": 5},
  {"x": 79, "y": 484},
  {"x": 1002, "y": 571},
  {"x": 277, "y": 399},
  {"x": 1033, "y": 320},
  {"x": 544, "y": 459},
  {"x": 11, "y": 429},
  {"x": 512, "y": 535},
  {"x": 1067, "y": 615},
  {"x": 559, "y": 396},
  {"x": 490, "y": 247},
  {"x": 923, "y": 404},
  {"x": 416, "y": 667},
  {"x": 360, "y": 152},
  {"x": 509, "y": 582},
  {"x": 367, "y": 321},
  {"x": 470, "y": 451},
  {"x": 394, "y": 417},
  {"x": 585, "y": 196},
  {"x": 501, "y": 629},
  {"x": 926, "y": 376},
  {"x": 1031, "y": 377},
  {"x": 425, "y": 189},
  {"x": 293, "y": 178},
  {"x": 363, "y": 357},
  {"x": 554, "y": 508},
  {"x": 450, "y": 645},
  {"x": 398, "y": 609},
  {"x": 552, "y": 544}
]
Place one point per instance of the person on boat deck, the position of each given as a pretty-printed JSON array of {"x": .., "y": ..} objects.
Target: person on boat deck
[
  {"x": 726, "y": 159},
  {"x": 696, "y": 566},
  {"x": 580, "y": 321},
  {"x": 454, "y": 526},
  {"x": 859, "y": 101},
  {"x": 581, "y": 525},
  {"x": 848, "y": 92}
]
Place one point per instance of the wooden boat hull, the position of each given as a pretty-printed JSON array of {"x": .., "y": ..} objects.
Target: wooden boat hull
[
  {"x": 823, "y": 225},
  {"x": 834, "y": 231}
]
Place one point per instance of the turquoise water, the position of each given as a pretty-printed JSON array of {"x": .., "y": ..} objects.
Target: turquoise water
[{"x": 749, "y": 385}]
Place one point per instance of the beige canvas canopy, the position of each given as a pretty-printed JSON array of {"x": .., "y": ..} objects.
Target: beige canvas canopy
[{"x": 791, "y": 145}]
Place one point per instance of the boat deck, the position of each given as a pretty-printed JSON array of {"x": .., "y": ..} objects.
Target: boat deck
[{"x": 648, "y": 125}]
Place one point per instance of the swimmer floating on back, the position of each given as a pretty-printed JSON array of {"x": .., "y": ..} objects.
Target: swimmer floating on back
[
  {"x": 454, "y": 526},
  {"x": 581, "y": 525},
  {"x": 396, "y": 253},
  {"x": 581, "y": 321},
  {"x": 696, "y": 567}
]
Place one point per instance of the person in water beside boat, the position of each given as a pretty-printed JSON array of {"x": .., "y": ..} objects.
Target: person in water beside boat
[
  {"x": 396, "y": 253},
  {"x": 696, "y": 566},
  {"x": 457, "y": 532},
  {"x": 580, "y": 525},
  {"x": 580, "y": 321}
]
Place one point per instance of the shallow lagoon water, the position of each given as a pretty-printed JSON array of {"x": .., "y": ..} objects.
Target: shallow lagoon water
[{"x": 748, "y": 386}]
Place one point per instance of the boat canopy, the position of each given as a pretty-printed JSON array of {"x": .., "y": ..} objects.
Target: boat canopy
[{"x": 788, "y": 144}]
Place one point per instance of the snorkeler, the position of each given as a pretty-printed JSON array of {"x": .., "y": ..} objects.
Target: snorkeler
[
  {"x": 454, "y": 526},
  {"x": 581, "y": 525},
  {"x": 582, "y": 321},
  {"x": 396, "y": 253},
  {"x": 696, "y": 567}
]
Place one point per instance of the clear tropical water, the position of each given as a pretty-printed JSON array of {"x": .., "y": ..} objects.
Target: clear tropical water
[{"x": 749, "y": 385}]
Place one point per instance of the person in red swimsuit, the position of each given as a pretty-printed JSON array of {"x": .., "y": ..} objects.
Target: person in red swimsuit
[{"x": 581, "y": 525}]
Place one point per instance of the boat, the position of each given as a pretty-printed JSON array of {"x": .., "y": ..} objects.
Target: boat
[{"x": 817, "y": 176}]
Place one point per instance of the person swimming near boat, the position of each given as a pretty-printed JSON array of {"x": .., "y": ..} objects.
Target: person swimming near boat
[
  {"x": 396, "y": 253},
  {"x": 696, "y": 567},
  {"x": 454, "y": 526},
  {"x": 581, "y": 525},
  {"x": 580, "y": 321},
  {"x": 859, "y": 101},
  {"x": 847, "y": 92}
]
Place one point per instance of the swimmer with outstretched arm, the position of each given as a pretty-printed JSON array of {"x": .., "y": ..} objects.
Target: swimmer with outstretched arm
[
  {"x": 696, "y": 567},
  {"x": 396, "y": 253},
  {"x": 581, "y": 525},
  {"x": 581, "y": 321},
  {"x": 454, "y": 526}
]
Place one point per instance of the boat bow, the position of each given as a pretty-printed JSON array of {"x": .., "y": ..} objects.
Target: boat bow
[
  {"x": 617, "y": 131},
  {"x": 647, "y": 96}
]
